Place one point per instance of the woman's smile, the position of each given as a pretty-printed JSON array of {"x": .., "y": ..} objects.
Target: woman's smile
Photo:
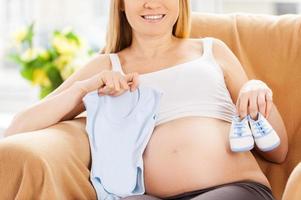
[{"x": 153, "y": 18}]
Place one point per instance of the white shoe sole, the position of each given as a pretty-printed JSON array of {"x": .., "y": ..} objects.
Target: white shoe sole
[
  {"x": 242, "y": 144},
  {"x": 268, "y": 142}
]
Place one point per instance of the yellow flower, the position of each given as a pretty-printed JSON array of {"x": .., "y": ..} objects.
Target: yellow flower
[
  {"x": 83, "y": 44},
  {"x": 62, "y": 61},
  {"x": 64, "y": 46},
  {"x": 30, "y": 54},
  {"x": 40, "y": 78},
  {"x": 45, "y": 54},
  {"x": 67, "y": 71},
  {"x": 20, "y": 35}
]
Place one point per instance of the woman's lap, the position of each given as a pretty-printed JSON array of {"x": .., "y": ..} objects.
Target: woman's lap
[{"x": 236, "y": 192}]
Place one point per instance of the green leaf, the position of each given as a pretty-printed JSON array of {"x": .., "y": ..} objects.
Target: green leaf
[
  {"x": 56, "y": 33},
  {"x": 14, "y": 57},
  {"x": 53, "y": 53},
  {"x": 30, "y": 34},
  {"x": 37, "y": 63},
  {"x": 44, "y": 91},
  {"x": 27, "y": 73},
  {"x": 73, "y": 36},
  {"x": 54, "y": 76}
]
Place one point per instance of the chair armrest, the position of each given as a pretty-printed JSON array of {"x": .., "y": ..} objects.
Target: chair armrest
[{"x": 292, "y": 189}]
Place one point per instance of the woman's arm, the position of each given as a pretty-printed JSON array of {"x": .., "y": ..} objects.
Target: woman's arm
[
  {"x": 64, "y": 103},
  {"x": 97, "y": 64},
  {"x": 235, "y": 78},
  {"x": 46, "y": 112}
]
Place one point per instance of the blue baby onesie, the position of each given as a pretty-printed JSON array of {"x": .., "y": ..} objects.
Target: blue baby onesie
[{"x": 119, "y": 129}]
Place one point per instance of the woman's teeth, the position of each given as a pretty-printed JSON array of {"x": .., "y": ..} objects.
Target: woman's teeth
[{"x": 153, "y": 17}]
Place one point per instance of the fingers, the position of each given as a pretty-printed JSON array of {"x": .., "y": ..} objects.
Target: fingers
[
  {"x": 243, "y": 105},
  {"x": 116, "y": 83},
  {"x": 123, "y": 86},
  {"x": 108, "y": 86},
  {"x": 253, "y": 102},
  {"x": 261, "y": 102},
  {"x": 269, "y": 103},
  {"x": 123, "y": 83},
  {"x": 253, "y": 107},
  {"x": 132, "y": 77}
]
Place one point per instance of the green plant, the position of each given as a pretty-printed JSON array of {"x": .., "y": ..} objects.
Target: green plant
[{"x": 49, "y": 67}]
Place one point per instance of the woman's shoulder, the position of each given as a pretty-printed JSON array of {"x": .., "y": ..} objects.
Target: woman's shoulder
[
  {"x": 218, "y": 45},
  {"x": 224, "y": 55},
  {"x": 100, "y": 59},
  {"x": 215, "y": 41},
  {"x": 220, "y": 52},
  {"x": 220, "y": 48},
  {"x": 95, "y": 64}
]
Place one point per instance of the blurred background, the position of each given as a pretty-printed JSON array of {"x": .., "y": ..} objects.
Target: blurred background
[{"x": 36, "y": 59}]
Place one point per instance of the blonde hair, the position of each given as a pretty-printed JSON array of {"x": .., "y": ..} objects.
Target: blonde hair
[{"x": 119, "y": 34}]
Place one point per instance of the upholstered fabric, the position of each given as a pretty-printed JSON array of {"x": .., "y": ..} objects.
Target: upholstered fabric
[{"x": 269, "y": 48}]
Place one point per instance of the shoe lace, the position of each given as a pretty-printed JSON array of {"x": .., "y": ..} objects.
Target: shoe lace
[
  {"x": 238, "y": 129},
  {"x": 261, "y": 128}
]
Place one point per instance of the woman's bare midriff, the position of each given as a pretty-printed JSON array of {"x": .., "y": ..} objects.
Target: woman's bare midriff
[{"x": 193, "y": 153}]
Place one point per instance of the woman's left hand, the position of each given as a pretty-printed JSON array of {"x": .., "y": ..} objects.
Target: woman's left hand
[{"x": 255, "y": 96}]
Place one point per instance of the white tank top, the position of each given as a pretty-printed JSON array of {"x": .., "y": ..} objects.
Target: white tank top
[{"x": 193, "y": 88}]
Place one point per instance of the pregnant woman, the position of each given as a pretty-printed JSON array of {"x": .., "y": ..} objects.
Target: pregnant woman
[{"x": 188, "y": 155}]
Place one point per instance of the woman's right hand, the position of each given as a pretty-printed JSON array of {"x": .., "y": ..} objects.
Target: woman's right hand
[{"x": 109, "y": 82}]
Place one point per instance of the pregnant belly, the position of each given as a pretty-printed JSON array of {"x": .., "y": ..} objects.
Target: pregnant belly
[{"x": 192, "y": 153}]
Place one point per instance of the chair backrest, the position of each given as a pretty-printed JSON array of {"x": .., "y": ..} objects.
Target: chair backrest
[{"x": 269, "y": 48}]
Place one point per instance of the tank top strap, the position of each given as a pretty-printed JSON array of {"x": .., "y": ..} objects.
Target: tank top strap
[
  {"x": 116, "y": 65},
  {"x": 208, "y": 52},
  {"x": 207, "y": 46}
]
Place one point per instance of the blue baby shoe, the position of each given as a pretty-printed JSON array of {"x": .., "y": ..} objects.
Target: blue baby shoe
[
  {"x": 240, "y": 136},
  {"x": 266, "y": 138}
]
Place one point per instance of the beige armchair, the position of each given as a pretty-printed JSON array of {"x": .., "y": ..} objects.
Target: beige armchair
[
  {"x": 53, "y": 163},
  {"x": 269, "y": 49}
]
